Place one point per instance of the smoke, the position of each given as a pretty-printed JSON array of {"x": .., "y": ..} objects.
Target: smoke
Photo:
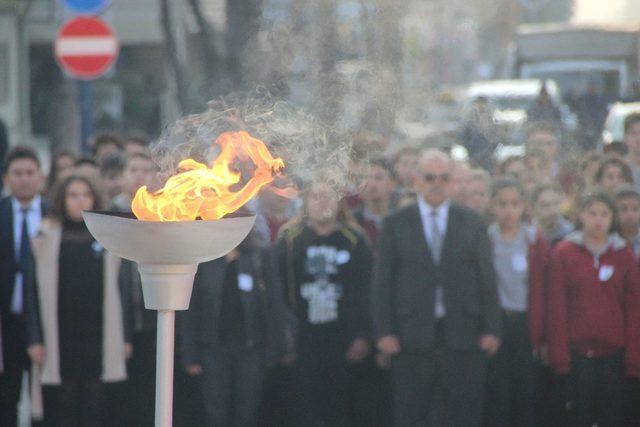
[
  {"x": 341, "y": 66},
  {"x": 311, "y": 150}
]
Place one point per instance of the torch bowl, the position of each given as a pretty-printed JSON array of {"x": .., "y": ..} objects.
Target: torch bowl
[
  {"x": 167, "y": 253},
  {"x": 154, "y": 242}
]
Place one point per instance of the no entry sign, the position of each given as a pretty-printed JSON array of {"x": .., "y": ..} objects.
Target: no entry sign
[{"x": 86, "y": 47}]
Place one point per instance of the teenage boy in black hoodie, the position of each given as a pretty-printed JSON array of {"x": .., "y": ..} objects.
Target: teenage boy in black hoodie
[{"x": 325, "y": 263}]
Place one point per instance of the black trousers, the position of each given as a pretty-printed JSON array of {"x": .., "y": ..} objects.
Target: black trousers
[
  {"x": 323, "y": 387},
  {"x": 278, "y": 397},
  {"x": 551, "y": 397},
  {"x": 632, "y": 402},
  {"x": 188, "y": 407},
  {"x": 371, "y": 401},
  {"x": 232, "y": 378},
  {"x": 16, "y": 363},
  {"x": 438, "y": 387},
  {"x": 596, "y": 390},
  {"x": 511, "y": 377},
  {"x": 139, "y": 390},
  {"x": 76, "y": 402}
]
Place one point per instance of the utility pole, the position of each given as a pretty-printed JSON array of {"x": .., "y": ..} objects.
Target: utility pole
[
  {"x": 175, "y": 52},
  {"x": 14, "y": 110}
]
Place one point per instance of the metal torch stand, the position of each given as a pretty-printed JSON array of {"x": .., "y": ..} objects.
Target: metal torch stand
[
  {"x": 166, "y": 274},
  {"x": 166, "y": 288},
  {"x": 164, "y": 368}
]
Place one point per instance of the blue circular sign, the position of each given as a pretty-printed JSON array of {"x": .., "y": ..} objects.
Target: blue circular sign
[{"x": 86, "y": 7}]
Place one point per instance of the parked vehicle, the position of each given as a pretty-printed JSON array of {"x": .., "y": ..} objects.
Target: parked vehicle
[
  {"x": 614, "y": 125},
  {"x": 509, "y": 101},
  {"x": 574, "y": 55}
]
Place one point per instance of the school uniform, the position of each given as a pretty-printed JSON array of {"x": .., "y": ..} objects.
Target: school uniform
[
  {"x": 74, "y": 311},
  {"x": 236, "y": 326},
  {"x": 594, "y": 326},
  {"x": 632, "y": 385},
  {"x": 550, "y": 396},
  {"x": 521, "y": 265}
]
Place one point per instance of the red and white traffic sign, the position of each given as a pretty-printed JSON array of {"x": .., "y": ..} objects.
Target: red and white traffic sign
[{"x": 86, "y": 47}]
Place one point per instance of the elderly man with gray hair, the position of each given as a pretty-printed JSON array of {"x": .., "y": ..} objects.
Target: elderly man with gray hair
[{"x": 434, "y": 301}]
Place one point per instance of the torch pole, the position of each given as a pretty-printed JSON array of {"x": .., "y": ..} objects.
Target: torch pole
[{"x": 164, "y": 367}]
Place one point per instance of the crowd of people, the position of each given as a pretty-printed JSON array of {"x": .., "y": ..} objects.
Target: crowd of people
[{"x": 438, "y": 292}]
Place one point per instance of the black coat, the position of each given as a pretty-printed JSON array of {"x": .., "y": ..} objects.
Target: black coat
[
  {"x": 405, "y": 281},
  {"x": 268, "y": 323}
]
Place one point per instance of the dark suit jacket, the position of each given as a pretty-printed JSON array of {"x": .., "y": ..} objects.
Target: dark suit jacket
[
  {"x": 405, "y": 281},
  {"x": 8, "y": 264},
  {"x": 267, "y": 319}
]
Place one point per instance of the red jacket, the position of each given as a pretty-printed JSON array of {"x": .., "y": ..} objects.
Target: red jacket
[
  {"x": 539, "y": 260},
  {"x": 593, "y": 303}
]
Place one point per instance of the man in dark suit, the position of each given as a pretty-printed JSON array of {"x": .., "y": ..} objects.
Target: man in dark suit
[
  {"x": 435, "y": 307},
  {"x": 20, "y": 216}
]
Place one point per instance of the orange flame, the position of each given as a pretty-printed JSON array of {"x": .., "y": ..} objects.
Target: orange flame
[{"x": 202, "y": 191}]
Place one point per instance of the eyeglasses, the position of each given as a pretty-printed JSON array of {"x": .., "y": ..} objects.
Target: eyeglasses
[{"x": 430, "y": 177}]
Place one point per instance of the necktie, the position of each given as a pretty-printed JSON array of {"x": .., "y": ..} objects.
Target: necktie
[
  {"x": 436, "y": 237},
  {"x": 25, "y": 245},
  {"x": 23, "y": 263}
]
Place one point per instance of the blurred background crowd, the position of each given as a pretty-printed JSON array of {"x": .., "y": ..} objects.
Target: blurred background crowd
[{"x": 289, "y": 314}]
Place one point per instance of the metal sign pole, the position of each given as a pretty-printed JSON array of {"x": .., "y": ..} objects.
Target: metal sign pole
[{"x": 85, "y": 101}]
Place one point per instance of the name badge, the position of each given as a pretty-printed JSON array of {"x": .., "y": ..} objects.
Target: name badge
[
  {"x": 606, "y": 271},
  {"x": 97, "y": 247},
  {"x": 519, "y": 263},
  {"x": 342, "y": 257},
  {"x": 245, "y": 282}
]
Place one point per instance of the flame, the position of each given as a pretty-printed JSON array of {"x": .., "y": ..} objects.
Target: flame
[{"x": 202, "y": 191}]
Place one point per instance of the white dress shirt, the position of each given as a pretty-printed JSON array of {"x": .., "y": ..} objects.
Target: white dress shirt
[
  {"x": 34, "y": 218},
  {"x": 442, "y": 217}
]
